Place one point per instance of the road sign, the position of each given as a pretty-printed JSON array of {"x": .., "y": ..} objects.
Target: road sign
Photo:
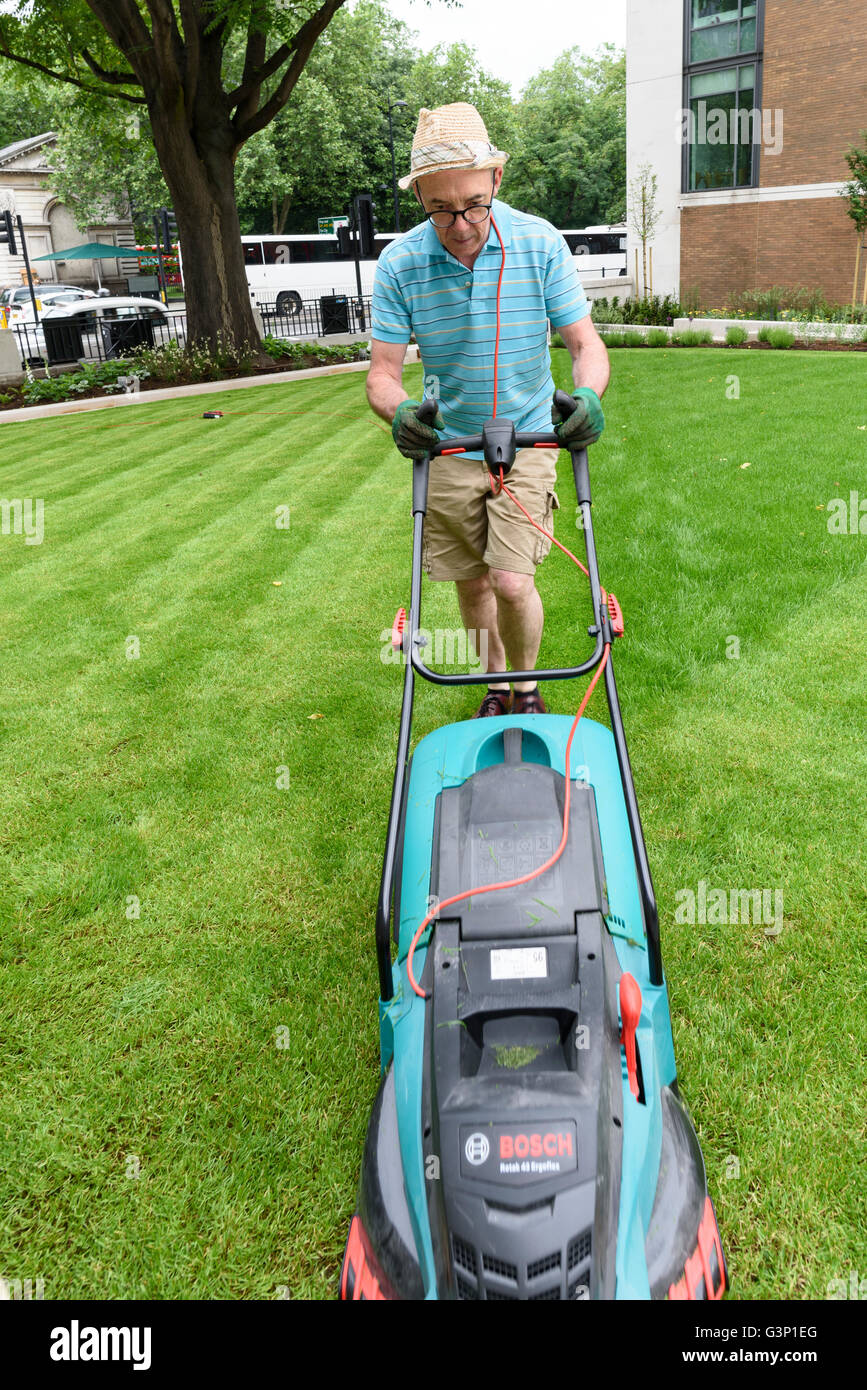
[{"x": 328, "y": 225}]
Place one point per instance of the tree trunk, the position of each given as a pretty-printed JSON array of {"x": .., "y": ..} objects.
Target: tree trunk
[
  {"x": 197, "y": 156},
  {"x": 284, "y": 213}
]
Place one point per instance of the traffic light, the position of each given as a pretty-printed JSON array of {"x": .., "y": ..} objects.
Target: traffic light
[
  {"x": 7, "y": 232},
  {"x": 168, "y": 229},
  {"x": 365, "y": 222},
  {"x": 344, "y": 242}
]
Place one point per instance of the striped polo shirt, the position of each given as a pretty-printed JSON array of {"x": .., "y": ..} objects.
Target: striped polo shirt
[{"x": 421, "y": 288}]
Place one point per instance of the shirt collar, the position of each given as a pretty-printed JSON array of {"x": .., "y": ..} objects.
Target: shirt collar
[{"x": 502, "y": 215}]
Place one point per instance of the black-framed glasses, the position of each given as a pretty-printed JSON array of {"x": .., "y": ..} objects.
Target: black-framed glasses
[{"x": 475, "y": 214}]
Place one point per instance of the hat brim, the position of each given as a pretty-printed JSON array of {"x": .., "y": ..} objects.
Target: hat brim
[{"x": 495, "y": 160}]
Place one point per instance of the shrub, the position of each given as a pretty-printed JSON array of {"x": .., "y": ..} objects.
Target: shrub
[
  {"x": 612, "y": 340},
  {"x": 784, "y": 302},
  {"x": 692, "y": 337},
  {"x": 762, "y": 335},
  {"x": 323, "y": 354},
  {"x": 65, "y": 386},
  {"x": 864, "y": 336},
  {"x": 657, "y": 337},
  {"x": 780, "y": 338},
  {"x": 735, "y": 335},
  {"x": 634, "y": 340},
  {"x": 606, "y": 311},
  {"x": 650, "y": 309},
  {"x": 166, "y": 363},
  {"x": 37, "y": 391},
  {"x": 556, "y": 342},
  {"x": 691, "y": 303}
]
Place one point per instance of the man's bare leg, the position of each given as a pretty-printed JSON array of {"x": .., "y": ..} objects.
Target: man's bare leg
[
  {"x": 509, "y": 608},
  {"x": 478, "y": 604}
]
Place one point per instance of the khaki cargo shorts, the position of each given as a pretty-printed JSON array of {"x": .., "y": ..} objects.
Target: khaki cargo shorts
[{"x": 468, "y": 530}]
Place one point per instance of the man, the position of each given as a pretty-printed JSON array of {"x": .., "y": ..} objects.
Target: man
[{"x": 439, "y": 281}]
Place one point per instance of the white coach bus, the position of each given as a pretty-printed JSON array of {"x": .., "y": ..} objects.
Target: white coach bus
[
  {"x": 598, "y": 251},
  {"x": 284, "y": 270}
]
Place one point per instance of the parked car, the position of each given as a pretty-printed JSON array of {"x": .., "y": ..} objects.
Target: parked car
[
  {"x": 20, "y": 310},
  {"x": 112, "y": 306},
  {"x": 108, "y": 326}
]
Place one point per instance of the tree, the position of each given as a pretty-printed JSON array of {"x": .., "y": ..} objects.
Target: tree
[
  {"x": 643, "y": 213},
  {"x": 105, "y": 161},
  {"x": 332, "y": 140},
  {"x": 172, "y": 58},
  {"x": 27, "y": 108},
  {"x": 569, "y": 160},
  {"x": 364, "y": 59},
  {"x": 855, "y": 192}
]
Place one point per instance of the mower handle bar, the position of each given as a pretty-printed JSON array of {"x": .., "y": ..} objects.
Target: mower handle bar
[
  {"x": 499, "y": 441},
  {"x": 601, "y": 630},
  {"x": 427, "y": 413}
]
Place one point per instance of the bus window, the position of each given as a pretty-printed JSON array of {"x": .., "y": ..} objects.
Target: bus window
[
  {"x": 252, "y": 253},
  {"x": 276, "y": 252},
  {"x": 314, "y": 250}
]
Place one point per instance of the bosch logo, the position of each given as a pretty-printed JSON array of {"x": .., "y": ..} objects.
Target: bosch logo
[
  {"x": 551, "y": 1145},
  {"x": 477, "y": 1149}
]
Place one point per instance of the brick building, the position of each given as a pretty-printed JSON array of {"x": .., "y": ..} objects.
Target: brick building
[{"x": 744, "y": 110}]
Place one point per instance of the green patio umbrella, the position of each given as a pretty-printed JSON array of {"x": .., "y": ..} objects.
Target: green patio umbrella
[{"x": 90, "y": 251}]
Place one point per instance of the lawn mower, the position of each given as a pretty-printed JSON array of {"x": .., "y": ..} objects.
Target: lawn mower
[{"x": 528, "y": 1139}]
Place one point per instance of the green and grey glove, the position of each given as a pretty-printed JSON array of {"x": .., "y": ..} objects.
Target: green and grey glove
[
  {"x": 584, "y": 425},
  {"x": 413, "y": 438}
]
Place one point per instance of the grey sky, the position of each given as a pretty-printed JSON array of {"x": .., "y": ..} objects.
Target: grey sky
[{"x": 516, "y": 38}]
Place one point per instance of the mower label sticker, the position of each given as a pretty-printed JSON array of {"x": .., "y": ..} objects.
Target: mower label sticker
[
  {"x": 520, "y": 963},
  {"x": 523, "y": 1153}
]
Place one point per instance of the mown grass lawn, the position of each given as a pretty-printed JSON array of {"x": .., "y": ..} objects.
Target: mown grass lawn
[{"x": 195, "y": 771}]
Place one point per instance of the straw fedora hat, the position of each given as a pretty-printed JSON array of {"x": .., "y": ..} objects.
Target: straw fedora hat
[{"x": 451, "y": 137}]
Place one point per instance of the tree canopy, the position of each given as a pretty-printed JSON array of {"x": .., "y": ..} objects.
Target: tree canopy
[{"x": 262, "y": 115}]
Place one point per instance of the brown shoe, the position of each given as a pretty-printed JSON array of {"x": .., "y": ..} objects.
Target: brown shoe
[
  {"x": 529, "y": 702},
  {"x": 495, "y": 702}
]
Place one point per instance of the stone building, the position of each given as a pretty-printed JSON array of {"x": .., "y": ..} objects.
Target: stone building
[{"x": 50, "y": 225}]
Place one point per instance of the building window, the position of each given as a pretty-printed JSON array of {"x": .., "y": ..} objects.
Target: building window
[
  {"x": 721, "y": 29},
  {"x": 721, "y": 93}
]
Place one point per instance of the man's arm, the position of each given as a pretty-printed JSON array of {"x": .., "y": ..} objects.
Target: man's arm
[
  {"x": 385, "y": 378},
  {"x": 590, "y": 365}
]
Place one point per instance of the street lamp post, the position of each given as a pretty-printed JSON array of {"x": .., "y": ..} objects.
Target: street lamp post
[{"x": 392, "y": 105}]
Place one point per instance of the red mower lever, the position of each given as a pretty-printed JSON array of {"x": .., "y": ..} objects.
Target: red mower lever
[
  {"x": 616, "y": 614},
  {"x": 397, "y": 628},
  {"x": 630, "y": 1012}
]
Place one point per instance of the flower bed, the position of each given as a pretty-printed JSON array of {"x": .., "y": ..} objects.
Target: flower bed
[
  {"x": 725, "y": 333},
  {"x": 151, "y": 369},
  {"x": 807, "y": 331}
]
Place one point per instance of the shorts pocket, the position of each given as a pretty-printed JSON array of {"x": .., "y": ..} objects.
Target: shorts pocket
[{"x": 552, "y": 504}]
